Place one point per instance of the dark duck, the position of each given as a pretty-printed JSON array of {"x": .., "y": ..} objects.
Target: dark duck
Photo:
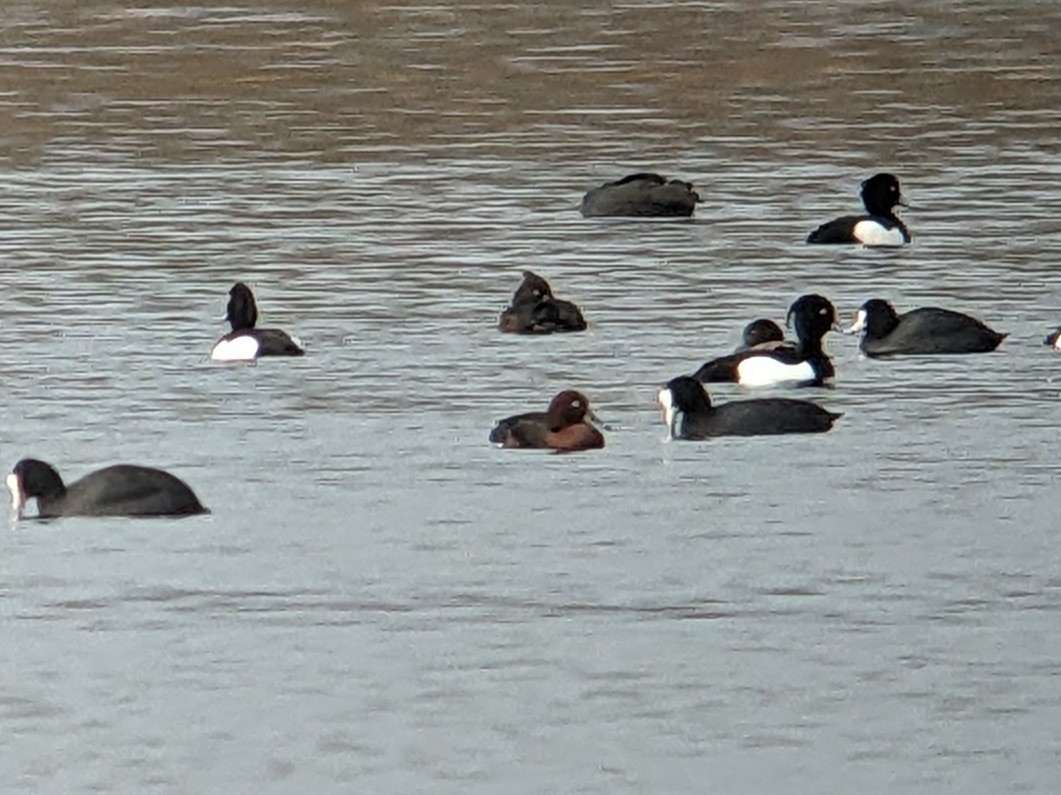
[{"x": 535, "y": 310}]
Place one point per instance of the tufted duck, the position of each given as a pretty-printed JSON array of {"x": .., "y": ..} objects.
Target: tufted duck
[
  {"x": 881, "y": 227},
  {"x": 806, "y": 364},
  {"x": 246, "y": 342}
]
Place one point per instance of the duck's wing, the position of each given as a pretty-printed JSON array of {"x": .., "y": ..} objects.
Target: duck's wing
[
  {"x": 641, "y": 195},
  {"x": 544, "y": 317},
  {"x": 761, "y": 417},
  {"x": 722, "y": 369},
  {"x": 126, "y": 490},
  {"x": 936, "y": 330},
  {"x": 274, "y": 342},
  {"x": 839, "y": 230},
  {"x": 522, "y": 430}
]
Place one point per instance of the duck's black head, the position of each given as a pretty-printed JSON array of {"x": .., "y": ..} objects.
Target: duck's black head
[
  {"x": 685, "y": 394},
  {"x": 759, "y": 331},
  {"x": 36, "y": 479},
  {"x": 242, "y": 312},
  {"x": 682, "y": 397},
  {"x": 877, "y": 318},
  {"x": 880, "y": 193},
  {"x": 811, "y": 316}
]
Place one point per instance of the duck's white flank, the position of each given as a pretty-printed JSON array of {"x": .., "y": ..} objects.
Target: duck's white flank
[
  {"x": 873, "y": 233},
  {"x": 765, "y": 371},
  {"x": 241, "y": 348}
]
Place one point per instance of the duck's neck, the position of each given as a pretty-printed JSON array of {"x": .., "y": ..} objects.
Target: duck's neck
[
  {"x": 900, "y": 226},
  {"x": 809, "y": 346},
  {"x": 810, "y": 349},
  {"x": 888, "y": 217}
]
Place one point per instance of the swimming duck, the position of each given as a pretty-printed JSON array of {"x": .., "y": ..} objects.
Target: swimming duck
[
  {"x": 120, "y": 490},
  {"x": 880, "y": 227},
  {"x": 246, "y": 342},
  {"x": 641, "y": 195},
  {"x": 806, "y": 364},
  {"x": 927, "y": 330},
  {"x": 688, "y": 414},
  {"x": 563, "y": 427},
  {"x": 535, "y": 310}
]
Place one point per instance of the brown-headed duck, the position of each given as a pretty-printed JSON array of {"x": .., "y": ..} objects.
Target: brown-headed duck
[
  {"x": 535, "y": 310},
  {"x": 564, "y": 427}
]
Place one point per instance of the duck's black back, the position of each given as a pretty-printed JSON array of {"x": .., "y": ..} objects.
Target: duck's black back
[
  {"x": 124, "y": 490},
  {"x": 542, "y": 317},
  {"x": 839, "y": 230},
  {"x": 522, "y": 430},
  {"x": 274, "y": 342},
  {"x": 759, "y": 417},
  {"x": 932, "y": 330},
  {"x": 641, "y": 195}
]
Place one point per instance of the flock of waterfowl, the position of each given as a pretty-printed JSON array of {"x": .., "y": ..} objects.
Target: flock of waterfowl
[
  {"x": 568, "y": 424},
  {"x": 765, "y": 358}
]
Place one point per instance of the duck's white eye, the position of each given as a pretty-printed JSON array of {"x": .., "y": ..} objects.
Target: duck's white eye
[{"x": 576, "y": 403}]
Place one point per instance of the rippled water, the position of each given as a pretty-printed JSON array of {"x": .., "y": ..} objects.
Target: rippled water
[{"x": 382, "y": 602}]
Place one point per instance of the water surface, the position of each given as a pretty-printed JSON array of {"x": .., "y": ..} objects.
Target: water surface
[{"x": 382, "y": 602}]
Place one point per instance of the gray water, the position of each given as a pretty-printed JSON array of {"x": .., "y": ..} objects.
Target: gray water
[{"x": 381, "y": 601}]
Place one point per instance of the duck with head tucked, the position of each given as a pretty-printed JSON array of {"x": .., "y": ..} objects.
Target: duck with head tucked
[
  {"x": 879, "y": 227},
  {"x": 565, "y": 426},
  {"x": 642, "y": 195},
  {"x": 535, "y": 310}
]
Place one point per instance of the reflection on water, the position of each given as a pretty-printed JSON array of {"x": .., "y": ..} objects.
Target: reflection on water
[{"x": 381, "y": 600}]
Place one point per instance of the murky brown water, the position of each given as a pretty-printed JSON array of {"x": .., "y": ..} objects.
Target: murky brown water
[{"x": 380, "y": 601}]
